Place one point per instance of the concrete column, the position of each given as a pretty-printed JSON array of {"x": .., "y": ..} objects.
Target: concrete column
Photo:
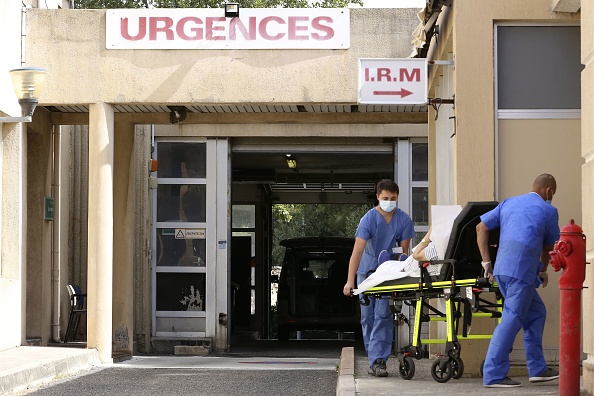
[
  {"x": 100, "y": 240},
  {"x": 123, "y": 307},
  {"x": 13, "y": 286},
  {"x": 587, "y": 48}
]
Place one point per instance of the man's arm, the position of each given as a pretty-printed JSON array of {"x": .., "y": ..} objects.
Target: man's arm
[
  {"x": 354, "y": 263},
  {"x": 405, "y": 246},
  {"x": 544, "y": 259},
  {"x": 482, "y": 240}
]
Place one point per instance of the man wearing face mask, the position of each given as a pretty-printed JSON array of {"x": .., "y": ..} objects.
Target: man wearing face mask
[
  {"x": 383, "y": 227},
  {"x": 529, "y": 227}
]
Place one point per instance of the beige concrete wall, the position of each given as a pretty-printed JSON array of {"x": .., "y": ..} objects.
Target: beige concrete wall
[
  {"x": 293, "y": 130},
  {"x": 10, "y": 31},
  {"x": 13, "y": 245},
  {"x": 469, "y": 34},
  {"x": 474, "y": 76},
  {"x": 557, "y": 154},
  {"x": 587, "y": 153},
  {"x": 81, "y": 70},
  {"x": 10, "y": 261}
]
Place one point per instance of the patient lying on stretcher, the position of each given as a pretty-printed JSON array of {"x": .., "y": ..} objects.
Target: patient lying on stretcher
[{"x": 402, "y": 266}]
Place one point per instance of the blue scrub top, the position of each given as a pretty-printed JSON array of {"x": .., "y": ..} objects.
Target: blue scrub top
[
  {"x": 526, "y": 223},
  {"x": 380, "y": 235}
]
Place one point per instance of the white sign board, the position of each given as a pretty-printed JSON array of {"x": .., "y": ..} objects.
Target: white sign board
[
  {"x": 207, "y": 28},
  {"x": 393, "y": 81}
]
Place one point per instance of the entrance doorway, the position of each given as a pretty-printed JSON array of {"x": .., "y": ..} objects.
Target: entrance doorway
[
  {"x": 213, "y": 220},
  {"x": 272, "y": 173}
]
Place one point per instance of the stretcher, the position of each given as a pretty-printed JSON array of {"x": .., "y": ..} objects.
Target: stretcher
[{"x": 457, "y": 286}]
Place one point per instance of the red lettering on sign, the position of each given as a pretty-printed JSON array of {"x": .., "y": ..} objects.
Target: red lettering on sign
[
  {"x": 181, "y": 25},
  {"x": 154, "y": 27},
  {"x": 415, "y": 74},
  {"x": 383, "y": 72},
  {"x": 317, "y": 24},
  {"x": 294, "y": 28},
  {"x": 236, "y": 23},
  {"x": 263, "y": 26},
  {"x": 269, "y": 28},
  {"x": 211, "y": 28},
  {"x": 141, "y": 29}
]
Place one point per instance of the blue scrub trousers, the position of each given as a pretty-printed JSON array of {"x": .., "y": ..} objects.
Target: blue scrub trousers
[
  {"x": 378, "y": 327},
  {"x": 522, "y": 309}
]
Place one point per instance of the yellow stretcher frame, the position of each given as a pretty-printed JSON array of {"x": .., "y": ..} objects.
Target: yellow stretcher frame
[{"x": 449, "y": 365}]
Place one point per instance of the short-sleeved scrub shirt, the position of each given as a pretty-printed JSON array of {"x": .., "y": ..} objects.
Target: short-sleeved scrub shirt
[
  {"x": 380, "y": 235},
  {"x": 526, "y": 224}
]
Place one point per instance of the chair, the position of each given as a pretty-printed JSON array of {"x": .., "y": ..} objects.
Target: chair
[{"x": 77, "y": 309}]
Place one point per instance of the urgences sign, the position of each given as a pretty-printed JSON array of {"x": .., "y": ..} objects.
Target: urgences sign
[{"x": 207, "y": 28}]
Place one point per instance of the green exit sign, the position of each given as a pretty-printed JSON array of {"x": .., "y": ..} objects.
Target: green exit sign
[{"x": 48, "y": 211}]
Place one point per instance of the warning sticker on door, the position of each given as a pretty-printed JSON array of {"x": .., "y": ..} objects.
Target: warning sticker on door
[{"x": 190, "y": 233}]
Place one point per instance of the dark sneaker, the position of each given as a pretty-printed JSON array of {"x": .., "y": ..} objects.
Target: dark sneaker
[
  {"x": 383, "y": 257},
  {"x": 378, "y": 369},
  {"x": 547, "y": 375},
  {"x": 505, "y": 383}
]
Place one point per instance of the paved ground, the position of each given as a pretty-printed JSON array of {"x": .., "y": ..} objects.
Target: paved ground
[
  {"x": 245, "y": 370},
  {"x": 423, "y": 383}
]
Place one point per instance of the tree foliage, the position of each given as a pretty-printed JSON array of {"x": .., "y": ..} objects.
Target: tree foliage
[
  {"x": 292, "y": 220},
  {"x": 112, "y": 4}
]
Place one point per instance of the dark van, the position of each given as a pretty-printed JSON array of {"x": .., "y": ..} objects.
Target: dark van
[{"x": 312, "y": 277}]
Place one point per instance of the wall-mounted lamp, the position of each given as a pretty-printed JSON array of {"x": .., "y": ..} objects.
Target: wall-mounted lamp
[
  {"x": 178, "y": 113},
  {"x": 28, "y": 83},
  {"x": 291, "y": 162},
  {"x": 231, "y": 10}
]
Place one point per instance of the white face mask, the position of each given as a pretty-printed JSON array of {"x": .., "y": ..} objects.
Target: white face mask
[
  {"x": 387, "y": 206},
  {"x": 549, "y": 201}
]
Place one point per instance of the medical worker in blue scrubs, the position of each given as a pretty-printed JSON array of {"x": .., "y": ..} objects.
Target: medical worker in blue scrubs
[
  {"x": 529, "y": 227},
  {"x": 384, "y": 227}
]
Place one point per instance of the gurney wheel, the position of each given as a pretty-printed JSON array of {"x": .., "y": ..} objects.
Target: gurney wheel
[
  {"x": 441, "y": 370},
  {"x": 417, "y": 352},
  {"x": 457, "y": 368},
  {"x": 407, "y": 370}
]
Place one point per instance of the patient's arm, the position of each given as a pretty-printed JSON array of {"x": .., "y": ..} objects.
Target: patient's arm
[{"x": 419, "y": 253}]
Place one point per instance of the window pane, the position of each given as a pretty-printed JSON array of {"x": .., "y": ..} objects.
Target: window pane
[
  {"x": 172, "y": 251},
  {"x": 178, "y": 159},
  {"x": 185, "y": 202},
  {"x": 181, "y": 291},
  {"x": 538, "y": 67},
  {"x": 420, "y": 163},
  {"x": 244, "y": 216},
  {"x": 420, "y": 205}
]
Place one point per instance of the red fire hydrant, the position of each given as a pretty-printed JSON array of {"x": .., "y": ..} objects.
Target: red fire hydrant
[{"x": 570, "y": 254}]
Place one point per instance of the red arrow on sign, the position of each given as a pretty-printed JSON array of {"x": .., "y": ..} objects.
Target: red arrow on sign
[{"x": 402, "y": 93}]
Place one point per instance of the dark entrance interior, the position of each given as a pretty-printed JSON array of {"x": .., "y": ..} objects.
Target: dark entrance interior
[{"x": 291, "y": 171}]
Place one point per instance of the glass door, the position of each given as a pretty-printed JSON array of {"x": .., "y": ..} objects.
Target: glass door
[{"x": 179, "y": 239}]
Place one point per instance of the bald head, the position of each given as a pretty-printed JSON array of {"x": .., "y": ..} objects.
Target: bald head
[
  {"x": 545, "y": 185},
  {"x": 545, "y": 180}
]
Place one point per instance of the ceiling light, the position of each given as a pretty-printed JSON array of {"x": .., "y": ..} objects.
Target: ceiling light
[{"x": 291, "y": 162}]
